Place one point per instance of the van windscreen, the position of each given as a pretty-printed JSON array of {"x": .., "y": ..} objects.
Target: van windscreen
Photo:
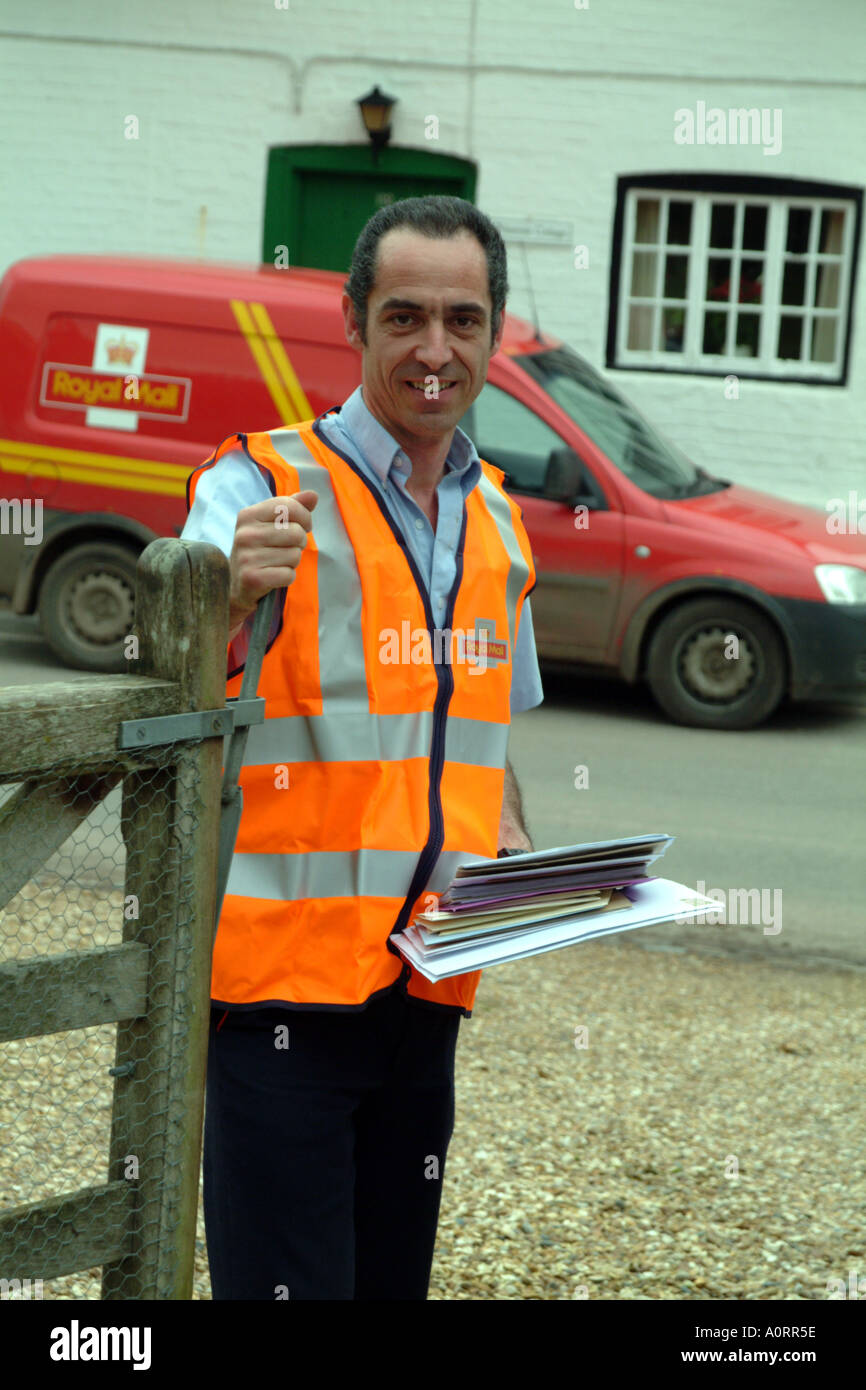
[{"x": 613, "y": 424}]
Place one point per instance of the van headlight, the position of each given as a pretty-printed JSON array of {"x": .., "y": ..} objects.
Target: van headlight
[{"x": 842, "y": 583}]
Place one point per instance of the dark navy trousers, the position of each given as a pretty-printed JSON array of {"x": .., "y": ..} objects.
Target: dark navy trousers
[{"x": 324, "y": 1159}]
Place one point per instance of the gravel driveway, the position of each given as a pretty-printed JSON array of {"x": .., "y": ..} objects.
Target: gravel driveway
[{"x": 705, "y": 1143}]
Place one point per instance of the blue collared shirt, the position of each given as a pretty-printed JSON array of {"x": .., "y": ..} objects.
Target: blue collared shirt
[{"x": 236, "y": 483}]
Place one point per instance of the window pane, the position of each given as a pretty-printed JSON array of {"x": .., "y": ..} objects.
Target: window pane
[
  {"x": 830, "y": 238},
  {"x": 512, "y": 437},
  {"x": 824, "y": 339},
  {"x": 643, "y": 274},
  {"x": 722, "y": 225},
  {"x": 751, "y": 282},
  {"x": 799, "y": 220},
  {"x": 794, "y": 283},
  {"x": 826, "y": 294},
  {"x": 679, "y": 224},
  {"x": 790, "y": 336},
  {"x": 754, "y": 228},
  {"x": 718, "y": 279},
  {"x": 715, "y": 330},
  {"x": 673, "y": 329},
  {"x": 748, "y": 329},
  {"x": 640, "y": 327},
  {"x": 646, "y": 227},
  {"x": 676, "y": 269}
]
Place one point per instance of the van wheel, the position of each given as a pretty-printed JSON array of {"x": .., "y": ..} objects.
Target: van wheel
[
  {"x": 87, "y": 605},
  {"x": 700, "y": 677}
]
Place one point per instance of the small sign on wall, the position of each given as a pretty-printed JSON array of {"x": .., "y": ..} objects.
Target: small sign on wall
[{"x": 542, "y": 231}]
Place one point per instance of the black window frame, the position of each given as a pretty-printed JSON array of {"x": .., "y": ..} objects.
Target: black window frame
[{"x": 739, "y": 185}]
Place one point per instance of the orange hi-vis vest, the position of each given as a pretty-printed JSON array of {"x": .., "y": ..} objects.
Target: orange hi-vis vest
[{"x": 380, "y": 764}]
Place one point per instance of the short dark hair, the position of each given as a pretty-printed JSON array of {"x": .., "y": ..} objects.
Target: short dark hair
[{"x": 436, "y": 215}]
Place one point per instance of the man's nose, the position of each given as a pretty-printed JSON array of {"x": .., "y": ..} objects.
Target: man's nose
[{"x": 434, "y": 350}]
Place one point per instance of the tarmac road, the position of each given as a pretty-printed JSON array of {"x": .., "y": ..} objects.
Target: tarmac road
[
  {"x": 774, "y": 817},
  {"x": 780, "y": 808}
]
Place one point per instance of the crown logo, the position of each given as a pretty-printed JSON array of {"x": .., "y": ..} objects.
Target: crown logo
[{"x": 119, "y": 350}]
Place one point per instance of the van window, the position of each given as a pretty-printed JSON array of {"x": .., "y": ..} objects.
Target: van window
[{"x": 509, "y": 435}]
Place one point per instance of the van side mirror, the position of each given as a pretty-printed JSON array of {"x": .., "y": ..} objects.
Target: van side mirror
[{"x": 564, "y": 477}]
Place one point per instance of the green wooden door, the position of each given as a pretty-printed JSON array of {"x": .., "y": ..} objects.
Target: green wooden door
[
  {"x": 334, "y": 208},
  {"x": 318, "y": 198}
]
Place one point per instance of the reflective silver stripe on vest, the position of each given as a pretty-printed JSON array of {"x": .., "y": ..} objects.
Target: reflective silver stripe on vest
[
  {"x": 345, "y": 737},
  {"x": 477, "y": 742},
  {"x": 350, "y": 735},
  {"x": 342, "y": 669},
  {"x": 518, "y": 572},
  {"x": 376, "y": 873},
  {"x": 446, "y": 867}
]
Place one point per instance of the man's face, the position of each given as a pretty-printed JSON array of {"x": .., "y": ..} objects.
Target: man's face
[{"x": 428, "y": 332}]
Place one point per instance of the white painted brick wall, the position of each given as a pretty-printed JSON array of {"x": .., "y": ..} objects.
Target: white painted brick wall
[{"x": 553, "y": 102}]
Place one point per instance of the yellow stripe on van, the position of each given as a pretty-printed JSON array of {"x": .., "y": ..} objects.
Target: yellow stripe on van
[
  {"x": 15, "y": 452},
  {"x": 301, "y": 405},
  {"x": 97, "y": 477},
  {"x": 264, "y": 363},
  {"x": 92, "y": 469}
]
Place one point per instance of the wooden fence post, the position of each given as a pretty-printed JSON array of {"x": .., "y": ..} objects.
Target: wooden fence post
[{"x": 170, "y": 823}]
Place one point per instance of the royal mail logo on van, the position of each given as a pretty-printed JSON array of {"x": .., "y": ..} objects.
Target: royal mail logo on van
[
  {"x": 119, "y": 350},
  {"x": 79, "y": 388}
]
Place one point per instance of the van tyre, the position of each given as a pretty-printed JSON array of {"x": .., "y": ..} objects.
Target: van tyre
[
  {"x": 87, "y": 605},
  {"x": 699, "y": 676}
]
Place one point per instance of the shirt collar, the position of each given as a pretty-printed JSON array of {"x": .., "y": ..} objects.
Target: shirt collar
[{"x": 380, "y": 450}]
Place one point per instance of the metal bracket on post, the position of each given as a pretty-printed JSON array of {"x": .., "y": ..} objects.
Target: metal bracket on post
[{"x": 206, "y": 723}]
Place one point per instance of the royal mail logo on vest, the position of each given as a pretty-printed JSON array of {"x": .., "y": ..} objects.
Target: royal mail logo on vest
[
  {"x": 115, "y": 390},
  {"x": 483, "y": 645}
]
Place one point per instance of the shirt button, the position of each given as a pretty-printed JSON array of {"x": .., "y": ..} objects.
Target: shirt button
[{"x": 419, "y": 524}]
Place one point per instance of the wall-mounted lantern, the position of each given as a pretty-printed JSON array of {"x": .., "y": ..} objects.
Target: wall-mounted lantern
[{"x": 376, "y": 110}]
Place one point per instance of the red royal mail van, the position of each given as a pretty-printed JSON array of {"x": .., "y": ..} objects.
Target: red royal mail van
[{"x": 120, "y": 376}]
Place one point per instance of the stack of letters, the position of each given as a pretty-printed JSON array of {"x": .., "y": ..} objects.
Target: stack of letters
[{"x": 496, "y": 910}]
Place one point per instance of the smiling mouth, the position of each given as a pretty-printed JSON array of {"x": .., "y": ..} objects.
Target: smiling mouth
[{"x": 441, "y": 389}]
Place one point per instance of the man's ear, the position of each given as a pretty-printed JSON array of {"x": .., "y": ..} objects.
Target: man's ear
[{"x": 353, "y": 332}]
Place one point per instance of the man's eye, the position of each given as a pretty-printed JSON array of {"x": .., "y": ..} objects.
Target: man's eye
[
  {"x": 465, "y": 321},
  {"x": 406, "y": 317}
]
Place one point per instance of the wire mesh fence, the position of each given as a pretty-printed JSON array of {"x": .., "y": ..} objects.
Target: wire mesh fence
[
  {"x": 107, "y": 884},
  {"x": 57, "y": 1089}
]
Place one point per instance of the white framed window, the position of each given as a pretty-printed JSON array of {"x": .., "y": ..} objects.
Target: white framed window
[{"x": 721, "y": 280}]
